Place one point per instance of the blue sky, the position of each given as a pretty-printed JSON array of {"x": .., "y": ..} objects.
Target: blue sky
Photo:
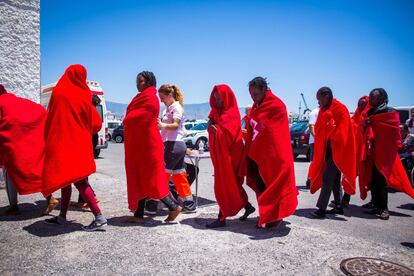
[{"x": 351, "y": 46}]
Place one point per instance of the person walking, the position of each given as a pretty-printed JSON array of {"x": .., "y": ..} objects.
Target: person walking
[
  {"x": 144, "y": 152},
  {"x": 334, "y": 154},
  {"x": 268, "y": 157},
  {"x": 226, "y": 149},
  {"x": 172, "y": 133},
  {"x": 22, "y": 146},
  {"x": 71, "y": 121},
  {"x": 380, "y": 166}
]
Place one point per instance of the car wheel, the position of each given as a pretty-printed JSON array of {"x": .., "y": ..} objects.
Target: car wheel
[
  {"x": 199, "y": 141},
  {"x": 119, "y": 139},
  {"x": 96, "y": 153}
]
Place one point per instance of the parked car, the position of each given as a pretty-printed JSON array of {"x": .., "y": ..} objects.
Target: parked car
[
  {"x": 118, "y": 134},
  {"x": 189, "y": 124},
  {"x": 112, "y": 125},
  {"x": 195, "y": 135},
  {"x": 299, "y": 136}
]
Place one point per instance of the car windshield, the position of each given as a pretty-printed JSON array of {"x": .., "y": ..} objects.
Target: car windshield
[
  {"x": 113, "y": 125},
  {"x": 188, "y": 126},
  {"x": 202, "y": 126},
  {"x": 299, "y": 126}
]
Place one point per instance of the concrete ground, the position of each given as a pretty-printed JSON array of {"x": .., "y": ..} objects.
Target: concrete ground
[{"x": 301, "y": 246}]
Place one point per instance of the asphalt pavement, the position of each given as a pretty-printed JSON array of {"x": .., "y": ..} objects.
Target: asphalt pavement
[{"x": 300, "y": 246}]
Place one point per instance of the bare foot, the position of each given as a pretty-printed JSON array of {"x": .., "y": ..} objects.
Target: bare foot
[
  {"x": 51, "y": 206},
  {"x": 174, "y": 214}
]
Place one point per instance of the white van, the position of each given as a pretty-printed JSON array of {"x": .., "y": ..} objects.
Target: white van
[{"x": 96, "y": 89}]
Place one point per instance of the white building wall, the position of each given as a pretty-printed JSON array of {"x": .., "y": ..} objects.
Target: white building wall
[{"x": 20, "y": 47}]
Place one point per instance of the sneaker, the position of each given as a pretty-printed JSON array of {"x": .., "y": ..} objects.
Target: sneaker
[
  {"x": 368, "y": 205},
  {"x": 318, "y": 214},
  {"x": 189, "y": 206},
  {"x": 384, "y": 215},
  {"x": 217, "y": 224},
  {"x": 57, "y": 220},
  {"x": 335, "y": 211},
  {"x": 95, "y": 226}
]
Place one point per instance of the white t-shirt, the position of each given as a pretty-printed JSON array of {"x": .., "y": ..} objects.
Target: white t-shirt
[
  {"x": 174, "y": 111},
  {"x": 313, "y": 116}
]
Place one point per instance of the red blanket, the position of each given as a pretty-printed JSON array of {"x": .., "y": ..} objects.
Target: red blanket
[
  {"x": 22, "y": 145},
  {"x": 358, "y": 125},
  {"x": 144, "y": 149},
  {"x": 68, "y": 132},
  {"x": 334, "y": 124},
  {"x": 226, "y": 148},
  {"x": 382, "y": 139},
  {"x": 268, "y": 153}
]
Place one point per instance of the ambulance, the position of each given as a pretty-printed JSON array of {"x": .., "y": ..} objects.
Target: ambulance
[{"x": 96, "y": 89}]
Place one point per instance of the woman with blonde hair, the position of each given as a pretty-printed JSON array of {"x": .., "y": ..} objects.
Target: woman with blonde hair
[{"x": 172, "y": 133}]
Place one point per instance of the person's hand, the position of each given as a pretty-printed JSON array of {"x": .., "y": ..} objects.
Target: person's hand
[
  {"x": 212, "y": 127},
  {"x": 244, "y": 130},
  {"x": 160, "y": 124}
]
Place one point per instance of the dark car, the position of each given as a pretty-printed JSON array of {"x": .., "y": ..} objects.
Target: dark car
[
  {"x": 118, "y": 134},
  {"x": 299, "y": 137}
]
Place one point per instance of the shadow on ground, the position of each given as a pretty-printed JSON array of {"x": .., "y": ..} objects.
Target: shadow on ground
[
  {"x": 41, "y": 229},
  {"x": 247, "y": 227},
  {"x": 408, "y": 244},
  {"x": 408, "y": 206},
  {"x": 27, "y": 211},
  {"x": 148, "y": 222},
  {"x": 350, "y": 211}
]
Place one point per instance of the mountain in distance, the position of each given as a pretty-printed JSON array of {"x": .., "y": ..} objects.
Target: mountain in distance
[{"x": 192, "y": 111}]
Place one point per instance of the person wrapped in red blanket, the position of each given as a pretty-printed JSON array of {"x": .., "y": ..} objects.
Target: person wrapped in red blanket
[
  {"x": 22, "y": 147},
  {"x": 144, "y": 152},
  {"x": 357, "y": 120},
  {"x": 71, "y": 121},
  {"x": 226, "y": 149},
  {"x": 334, "y": 153},
  {"x": 268, "y": 156},
  {"x": 380, "y": 165}
]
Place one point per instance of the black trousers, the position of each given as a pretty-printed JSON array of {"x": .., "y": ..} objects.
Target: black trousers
[
  {"x": 379, "y": 190},
  {"x": 168, "y": 201},
  {"x": 331, "y": 182}
]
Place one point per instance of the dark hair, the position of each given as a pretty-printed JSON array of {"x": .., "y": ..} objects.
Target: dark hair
[
  {"x": 258, "y": 82},
  {"x": 95, "y": 100},
  {"x": 325, "y": 91},
  {"x": 2, "y": 90},
  {"x": 149, "y": 78},
  {"x": 382, "y": 92}
]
